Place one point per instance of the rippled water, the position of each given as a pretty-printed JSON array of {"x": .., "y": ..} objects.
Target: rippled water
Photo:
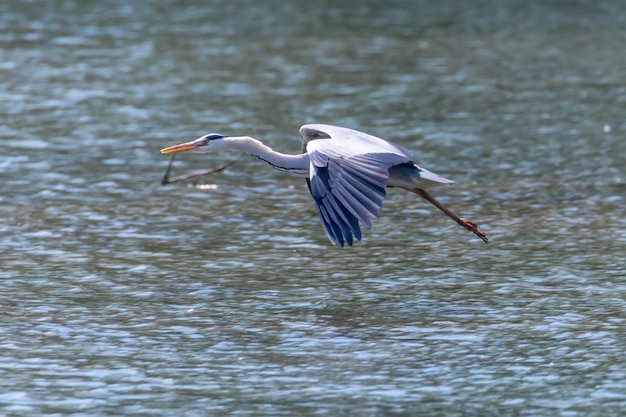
[{"x": 123, "y": 297}]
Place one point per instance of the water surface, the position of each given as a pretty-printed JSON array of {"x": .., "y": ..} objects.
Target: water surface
[{"x": 123, "y": 297}]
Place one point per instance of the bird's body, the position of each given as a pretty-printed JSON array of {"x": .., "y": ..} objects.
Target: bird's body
[{"x": 347, "y": 173}]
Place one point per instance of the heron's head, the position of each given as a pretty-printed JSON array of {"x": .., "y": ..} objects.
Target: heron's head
[{"x": 207, "y": 143}]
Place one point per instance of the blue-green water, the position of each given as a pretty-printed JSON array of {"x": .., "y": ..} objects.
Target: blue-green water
[{"x": 123, "y": 297}]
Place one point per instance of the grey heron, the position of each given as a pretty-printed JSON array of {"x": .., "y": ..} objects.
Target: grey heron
[{"x": 347, "y": 172}]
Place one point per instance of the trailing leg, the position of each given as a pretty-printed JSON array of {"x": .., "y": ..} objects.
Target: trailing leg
[{"x": 466, "y": 223}]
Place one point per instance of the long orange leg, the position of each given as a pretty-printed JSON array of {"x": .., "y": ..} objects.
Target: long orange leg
[{"x": 466, "y": 223}]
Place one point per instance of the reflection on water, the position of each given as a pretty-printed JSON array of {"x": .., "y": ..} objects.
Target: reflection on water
[{"x": 124, "y": 297}]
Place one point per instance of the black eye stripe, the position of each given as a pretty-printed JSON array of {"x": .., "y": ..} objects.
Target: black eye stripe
[{"x": 213, "y": 136}]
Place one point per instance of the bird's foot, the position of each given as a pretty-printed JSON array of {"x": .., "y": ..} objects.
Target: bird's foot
[{"x": 471, "y": 226}]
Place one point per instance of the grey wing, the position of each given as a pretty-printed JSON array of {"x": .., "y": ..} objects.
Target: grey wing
[{"x": 349, "y": 190}]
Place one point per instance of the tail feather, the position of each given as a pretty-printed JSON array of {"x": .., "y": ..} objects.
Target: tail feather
[{"x": 431, "y": 176}]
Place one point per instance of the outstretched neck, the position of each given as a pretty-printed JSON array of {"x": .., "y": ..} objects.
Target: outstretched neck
[{"x": 295, "y": 164}]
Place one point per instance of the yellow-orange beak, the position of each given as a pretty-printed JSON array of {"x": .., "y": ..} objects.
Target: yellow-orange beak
[{"x": 183, "y": 147}]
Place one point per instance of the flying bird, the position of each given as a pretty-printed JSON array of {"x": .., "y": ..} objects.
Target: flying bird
[{"x": 347, "y": 172}]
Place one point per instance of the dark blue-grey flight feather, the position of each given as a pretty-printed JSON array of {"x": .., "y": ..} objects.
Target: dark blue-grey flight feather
[{"x": 347, "y": 192}]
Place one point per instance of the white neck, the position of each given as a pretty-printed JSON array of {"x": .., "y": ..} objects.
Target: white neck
[{"x": 295, "y": 164}]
